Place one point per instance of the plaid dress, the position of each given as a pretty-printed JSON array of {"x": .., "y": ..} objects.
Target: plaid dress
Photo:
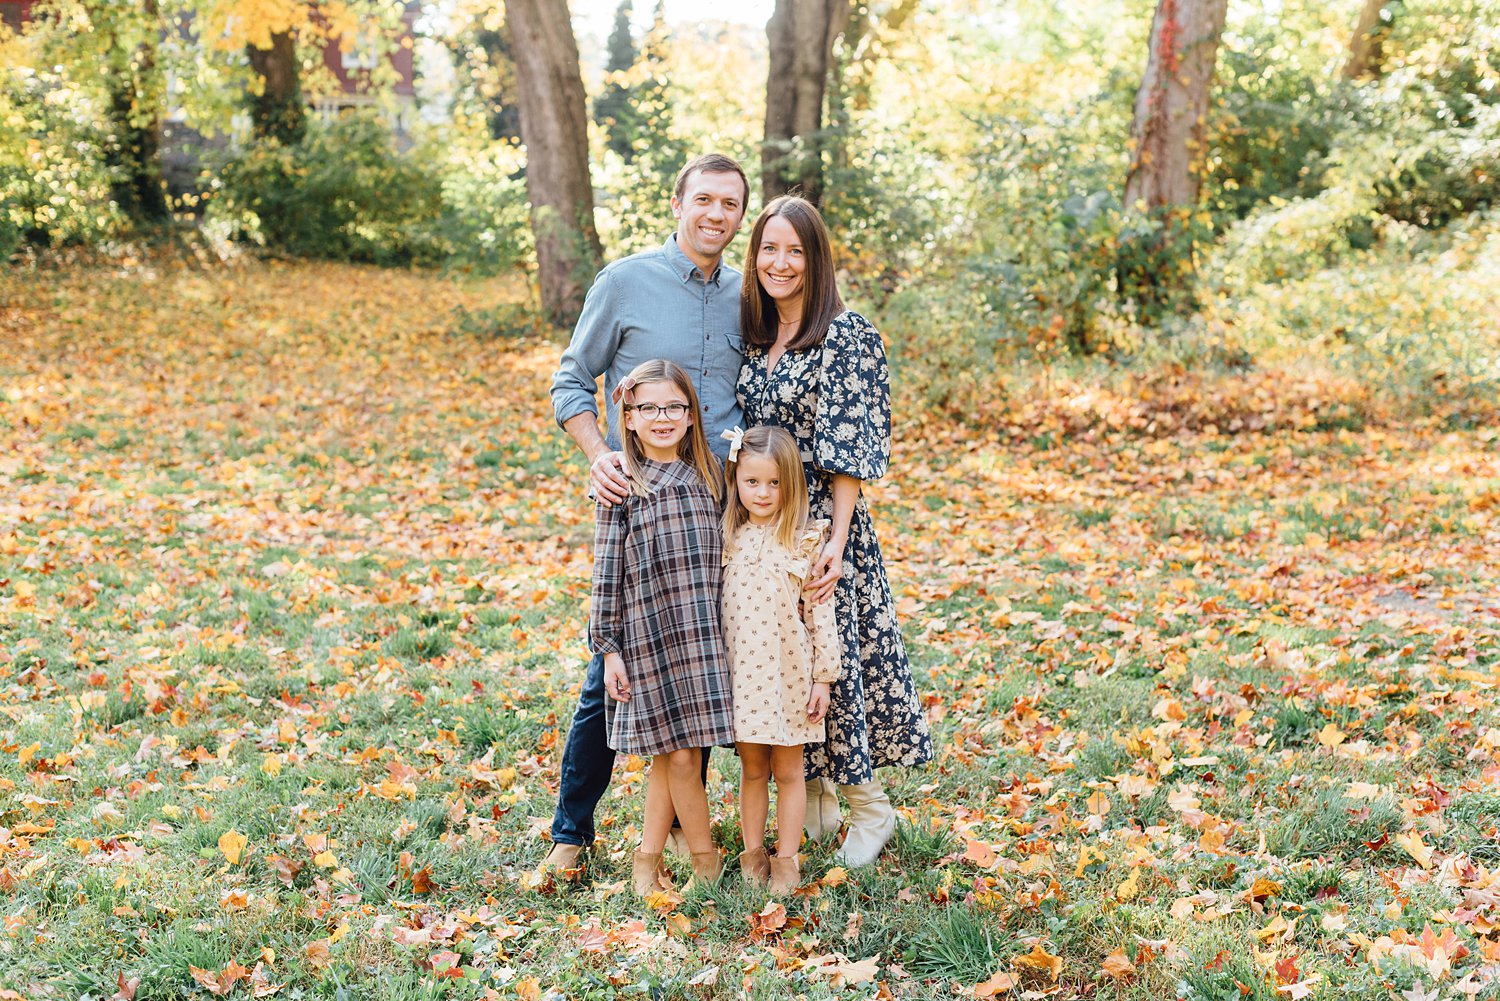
[{"x": 656, "y": 604}]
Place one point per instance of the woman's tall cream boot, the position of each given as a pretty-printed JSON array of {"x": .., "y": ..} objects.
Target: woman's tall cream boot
[
  {"x": 823, "y": 818},
  {"x": 872, "y": 821}
]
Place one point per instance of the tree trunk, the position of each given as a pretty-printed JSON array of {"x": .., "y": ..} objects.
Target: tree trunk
[
  {"x": 554, "y": 128},
  {"x": 1172, "y": 105},
  {"x": 801, "y": 35},
  {"x": 1366, "y": 47},
  {"x": 277, "y": 111}
]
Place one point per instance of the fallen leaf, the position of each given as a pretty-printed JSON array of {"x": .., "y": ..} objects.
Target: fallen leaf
[
  {"x": 232, "y": 844},
  {"x": 1117, "y": 965},
  {"x": 1039, "y": 959}
]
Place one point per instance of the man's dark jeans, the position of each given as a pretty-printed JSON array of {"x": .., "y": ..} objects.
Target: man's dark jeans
[{"x": 587, "y": 762}]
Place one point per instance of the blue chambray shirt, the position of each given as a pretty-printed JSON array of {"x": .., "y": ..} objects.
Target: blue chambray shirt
[{"x": 656, "y": 304}]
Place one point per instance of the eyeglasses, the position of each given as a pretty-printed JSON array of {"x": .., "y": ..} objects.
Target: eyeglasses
[{"x": 650, "y": 411}]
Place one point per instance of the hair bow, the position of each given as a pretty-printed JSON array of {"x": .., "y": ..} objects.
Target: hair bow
[
  {"x": 625, "y": 390},
  {"x": 736, "y": 438}
]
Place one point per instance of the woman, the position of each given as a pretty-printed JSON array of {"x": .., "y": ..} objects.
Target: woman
[{"x": 819, "y": 371}]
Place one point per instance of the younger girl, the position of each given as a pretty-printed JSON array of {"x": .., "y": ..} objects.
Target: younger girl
[
  {"x": 783, "y": 652},
  {"x": 655, "y": 612}
]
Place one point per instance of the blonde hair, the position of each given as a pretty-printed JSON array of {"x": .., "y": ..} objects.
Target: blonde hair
[
  {"x": 768, "y": 442},
  {"x": 692, "y": 449}
]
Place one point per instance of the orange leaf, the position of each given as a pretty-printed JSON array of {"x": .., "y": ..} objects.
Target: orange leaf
[
  {"x": 768, "y": 922},
  {"x": 1040, "y": 959},
  {"x": 980, "y": 853},
  {"x": 999, "y": 983},
  {"x": 232, "y": 844},
  {"x": 1117, "y": 965}
]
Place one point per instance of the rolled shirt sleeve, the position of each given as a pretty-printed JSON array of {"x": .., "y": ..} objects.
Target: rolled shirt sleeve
[{"x": 590, "y": 352}]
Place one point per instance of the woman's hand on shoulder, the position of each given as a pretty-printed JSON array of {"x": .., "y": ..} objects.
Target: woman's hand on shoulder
[{"x": 616, "y": 685}]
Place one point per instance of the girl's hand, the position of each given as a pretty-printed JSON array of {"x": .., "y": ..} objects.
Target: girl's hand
[
  {"x": 827, "y": 569},
  {"x": 616, "y": 685},
  {"x": 817, "y": 702}
]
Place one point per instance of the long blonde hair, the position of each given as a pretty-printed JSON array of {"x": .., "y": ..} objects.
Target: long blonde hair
[
  {"x": 768, "y": 442},
  {"x": 692, "y": 449}
]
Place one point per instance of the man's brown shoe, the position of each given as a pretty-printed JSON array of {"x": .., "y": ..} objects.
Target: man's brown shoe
[{"x": 564, "y": 859}]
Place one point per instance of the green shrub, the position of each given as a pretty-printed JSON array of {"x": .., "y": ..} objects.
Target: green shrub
[
  {"x": 485, "y": 222},
  {"x": 54, "y": 182},
  {"x": 342, "y": 192},
  {"x": 1045, "y": 258},
  {"x": 345, "y": 192}
]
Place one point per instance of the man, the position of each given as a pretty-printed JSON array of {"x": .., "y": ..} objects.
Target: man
[{"x": 678, "y": 302}]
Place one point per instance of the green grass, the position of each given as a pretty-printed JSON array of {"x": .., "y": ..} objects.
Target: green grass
[{"x": 374, "y": 633}]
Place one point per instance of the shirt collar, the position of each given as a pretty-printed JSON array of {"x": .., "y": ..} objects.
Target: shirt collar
[{"x": 684, "y": 268}]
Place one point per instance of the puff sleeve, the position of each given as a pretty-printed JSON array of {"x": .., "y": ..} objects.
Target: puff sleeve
[
  {"x": 606, "y": 607},
  {"x": 852, "y": 424}
]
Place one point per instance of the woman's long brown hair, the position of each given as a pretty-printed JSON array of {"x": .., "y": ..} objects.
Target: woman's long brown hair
[{"x": 820, "y": 293}]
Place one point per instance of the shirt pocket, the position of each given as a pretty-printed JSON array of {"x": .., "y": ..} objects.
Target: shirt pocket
[{"x": 737, "y": 343}]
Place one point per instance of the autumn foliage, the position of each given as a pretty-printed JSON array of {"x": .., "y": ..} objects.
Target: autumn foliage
[{"x": 293, "y": 572}]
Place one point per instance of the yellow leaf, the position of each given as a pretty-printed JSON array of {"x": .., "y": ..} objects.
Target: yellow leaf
[
  {"x": 271, "y": 765},
  {"x": 28, "y": 752},
  {"x": 1264, "y": 887},
  {"x": 1132, "y": 886},
  {"x": 325, "y": 860},
  {"x": 1331, "y": 736},
  {"x": 1040, "y": 959},
  {"x": 1087, "y": 855},
  {"x": 1415, "y": 848},
  {"x": 232, "y": 844}
]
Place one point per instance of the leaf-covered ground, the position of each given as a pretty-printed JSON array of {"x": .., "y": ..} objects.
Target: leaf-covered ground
[{"x": 293, "y": 572}]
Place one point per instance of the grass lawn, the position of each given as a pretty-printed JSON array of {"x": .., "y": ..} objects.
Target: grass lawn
[{"x": 294, "y": 569}]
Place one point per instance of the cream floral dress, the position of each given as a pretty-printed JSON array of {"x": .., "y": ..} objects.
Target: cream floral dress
[{"x": 778, "y": 645}]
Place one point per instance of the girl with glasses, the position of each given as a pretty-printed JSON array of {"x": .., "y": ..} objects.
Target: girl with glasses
[{"x": 655, "y": 612}]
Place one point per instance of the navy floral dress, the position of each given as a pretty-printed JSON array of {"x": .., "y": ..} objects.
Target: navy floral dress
[{"x": 835, "y": 400}]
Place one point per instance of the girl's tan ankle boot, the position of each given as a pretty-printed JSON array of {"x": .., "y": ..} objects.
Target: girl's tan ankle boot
[
  {"x": 645, "y": 873},
  {"x": 786, "y": 875},
  {"x": 707, "y": 866},
  {"x": 755, "y": 866}
]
